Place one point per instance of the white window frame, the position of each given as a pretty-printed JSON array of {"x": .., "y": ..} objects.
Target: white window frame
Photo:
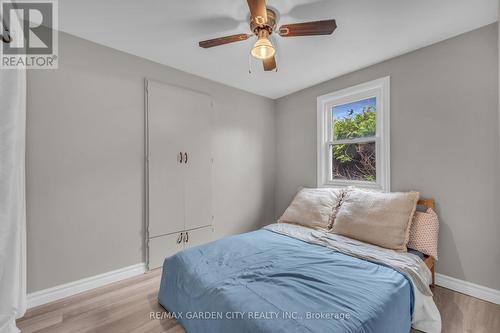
[{"x": 380, "y": 89}]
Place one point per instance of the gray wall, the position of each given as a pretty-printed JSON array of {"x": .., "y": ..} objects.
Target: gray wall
[
  {"x": 444, "y": 143},
  {"x": 85, "y": 139},
  {"x": 85, "y": 146}
]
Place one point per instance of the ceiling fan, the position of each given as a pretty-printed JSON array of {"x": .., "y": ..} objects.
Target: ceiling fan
[{"x": 263, "y": 24}]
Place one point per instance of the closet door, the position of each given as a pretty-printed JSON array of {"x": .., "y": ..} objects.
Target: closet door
[
  {"x": 198, "y": 173},
  {"x": 179, "y": 168},
  {"x": 164, "y": 246},
  {"x": 167, "y": 123},
  {"x": 198, "y": 236}
]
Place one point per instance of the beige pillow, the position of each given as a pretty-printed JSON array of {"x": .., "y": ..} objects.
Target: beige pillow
[
  {"x": 312, "y": 207},
  {"x": 382, "y": 219}
]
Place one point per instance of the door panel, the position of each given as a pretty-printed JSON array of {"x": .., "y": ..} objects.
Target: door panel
[
  {"x": 163, "y": 247},
  {"x": 199, "y": 236},
  {"x": 166, "y": 139},
  {"x": 198, "y": 175}
]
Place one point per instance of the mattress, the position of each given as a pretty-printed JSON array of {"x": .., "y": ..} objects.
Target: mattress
[
  {"x": 263, "y": 281},
  {"x": 417, "y": 253}
]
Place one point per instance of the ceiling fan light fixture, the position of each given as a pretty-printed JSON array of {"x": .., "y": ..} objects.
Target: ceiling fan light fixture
[
  {"x": 263, "y": 22},
  {"x": 263, "y": 48}
]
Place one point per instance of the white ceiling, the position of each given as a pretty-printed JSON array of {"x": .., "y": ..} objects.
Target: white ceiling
[{"x": 369, "y": 31}]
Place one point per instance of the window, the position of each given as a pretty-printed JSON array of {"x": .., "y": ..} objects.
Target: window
[{"x": 353, "y": 136}]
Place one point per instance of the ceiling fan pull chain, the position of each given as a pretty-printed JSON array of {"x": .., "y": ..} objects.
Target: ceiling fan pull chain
[{"x": 249, "y": 64}]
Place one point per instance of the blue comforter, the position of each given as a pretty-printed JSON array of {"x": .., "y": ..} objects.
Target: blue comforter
[{"x": 267, "y": 282}]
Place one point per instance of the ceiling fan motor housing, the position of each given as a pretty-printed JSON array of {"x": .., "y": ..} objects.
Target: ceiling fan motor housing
[{"x": 269, "y": 26}]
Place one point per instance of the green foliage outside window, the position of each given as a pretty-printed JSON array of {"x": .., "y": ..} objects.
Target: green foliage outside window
[
  {"x": 361, "y": 125},
  {"x": 355, "y": 161}
]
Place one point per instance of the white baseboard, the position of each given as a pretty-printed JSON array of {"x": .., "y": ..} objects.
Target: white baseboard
[
  {"x": 468, "y": 288},
  {"x": 72, "y": 288}
]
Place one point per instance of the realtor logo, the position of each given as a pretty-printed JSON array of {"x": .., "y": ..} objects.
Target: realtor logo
[{"x": 29, "y": 33}]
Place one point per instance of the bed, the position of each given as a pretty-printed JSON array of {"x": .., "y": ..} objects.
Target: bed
[{"x": 287, "y": 278}]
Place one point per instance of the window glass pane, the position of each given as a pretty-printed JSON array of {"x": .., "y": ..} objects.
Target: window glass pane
[
  {"x": 355, "y": 119},
  {"x": 354, "y": 161}
]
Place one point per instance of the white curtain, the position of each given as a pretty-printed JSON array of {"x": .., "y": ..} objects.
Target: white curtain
[{"x": 12, "y": 198}]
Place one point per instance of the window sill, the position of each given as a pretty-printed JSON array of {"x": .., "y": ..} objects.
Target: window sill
[{"x": 358, "y": 184}]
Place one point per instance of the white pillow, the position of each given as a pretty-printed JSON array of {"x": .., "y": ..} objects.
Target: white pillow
[
  {"x": 378, "y": 218},
  {"x": 313, "y": 207}
]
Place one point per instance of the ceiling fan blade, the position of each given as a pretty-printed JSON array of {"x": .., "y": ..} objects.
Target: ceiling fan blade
[
  {"x": 325, "y": 27},
  {"x": 269, "y": 64},
  {"x": 223, "y": 40},
  {"x": 258, "y": 11}
]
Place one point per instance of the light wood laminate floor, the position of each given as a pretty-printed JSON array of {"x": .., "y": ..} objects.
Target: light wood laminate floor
[{"x": 126, "y": 307}]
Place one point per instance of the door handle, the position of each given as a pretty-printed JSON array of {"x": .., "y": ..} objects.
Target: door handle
[
  {"x": 179, "y": 239},
  {"x": 6, "y": 36},
  {"x": 180, "y": 155},
  {"x": 186, "y": 239},
  {"x": 185, "y": 157}
]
